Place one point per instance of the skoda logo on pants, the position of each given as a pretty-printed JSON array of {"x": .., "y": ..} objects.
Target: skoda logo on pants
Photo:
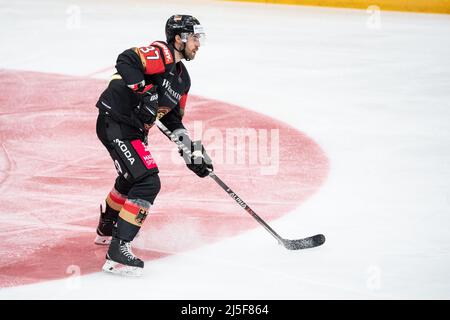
[{"x": 123, "y": 147}]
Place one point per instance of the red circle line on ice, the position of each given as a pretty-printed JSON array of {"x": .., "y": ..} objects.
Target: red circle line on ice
[{"x": 54, "y": 173}]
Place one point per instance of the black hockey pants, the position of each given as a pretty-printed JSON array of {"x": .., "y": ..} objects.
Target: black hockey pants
[{"x": 137, "y": 172}]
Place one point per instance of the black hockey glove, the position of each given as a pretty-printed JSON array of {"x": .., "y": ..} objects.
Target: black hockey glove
[
  {"x": 147, "y": 109},
  {"x": 199, "y": 162}
]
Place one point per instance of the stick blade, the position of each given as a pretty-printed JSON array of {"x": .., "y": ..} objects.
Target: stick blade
[{"x": 305, "y": 243}]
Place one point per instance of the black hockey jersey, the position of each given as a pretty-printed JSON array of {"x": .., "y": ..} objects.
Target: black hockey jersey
[{"x": 151, "y": 65}]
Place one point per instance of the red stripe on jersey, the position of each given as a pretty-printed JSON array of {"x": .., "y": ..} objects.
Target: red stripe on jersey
[
  {"x": 152, "y": 60},
  {"x": 167, "y": 54},
  {"x": 183, "y": 101},
  {"x": 147, "y": 88},
  {"x": 134, "y": 87}
]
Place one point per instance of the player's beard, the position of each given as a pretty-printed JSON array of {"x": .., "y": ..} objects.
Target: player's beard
[{"x": 191, "y": 55}]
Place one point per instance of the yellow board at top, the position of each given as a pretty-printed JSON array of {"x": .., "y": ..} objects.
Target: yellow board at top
[{"x": 427, "y": 6}]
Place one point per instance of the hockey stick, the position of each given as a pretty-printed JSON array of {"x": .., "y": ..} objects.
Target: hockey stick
[{"x": 305, "y": 243}]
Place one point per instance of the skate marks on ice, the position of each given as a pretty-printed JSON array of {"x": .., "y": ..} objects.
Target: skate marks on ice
[{"x": 54, "y": 173}]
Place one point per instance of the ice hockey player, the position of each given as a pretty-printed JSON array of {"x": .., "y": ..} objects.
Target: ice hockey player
[{"x": 151, "y": 83}]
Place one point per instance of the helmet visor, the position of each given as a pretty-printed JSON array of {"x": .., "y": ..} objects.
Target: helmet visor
[
  {"x": 199, "y": 34},
  {"x": 200, "y": 37},
  {"x": 197, "y": 37}
]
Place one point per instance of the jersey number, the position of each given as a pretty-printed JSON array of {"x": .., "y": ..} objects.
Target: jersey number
[{"x": 150, "y": 52}]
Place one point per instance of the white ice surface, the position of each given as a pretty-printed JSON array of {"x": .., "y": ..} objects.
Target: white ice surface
[{"x": 377, "y": 101}]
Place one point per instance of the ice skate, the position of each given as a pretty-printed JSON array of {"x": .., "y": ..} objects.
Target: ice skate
[{"x": 121, "y": 260}]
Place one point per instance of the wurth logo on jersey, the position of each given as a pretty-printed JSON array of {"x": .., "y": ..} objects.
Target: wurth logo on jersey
[
  {"x": 170, "y": 93},
  {"x": 123, "y": 147},
  {"x": 167, "y": 54}
]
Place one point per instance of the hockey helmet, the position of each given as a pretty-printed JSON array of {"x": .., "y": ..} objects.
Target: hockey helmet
[{"x": 183, "y": 25}]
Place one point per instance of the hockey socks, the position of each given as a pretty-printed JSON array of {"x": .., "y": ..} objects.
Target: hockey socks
[
  {"x": 131, "y": 217},
  {"x": 115, "y": 200}
]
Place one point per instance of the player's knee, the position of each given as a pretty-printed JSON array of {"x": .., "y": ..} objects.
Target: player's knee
[
  {"x": 123, "y": 185},
  {"x": 156, "y": 183},
  {"x": 146, "y": 188},
  {"x": 152, "y": 183}
]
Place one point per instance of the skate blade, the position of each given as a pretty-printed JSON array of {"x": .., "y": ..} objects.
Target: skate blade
[
  {"x": 102, "y": 240},
  {"x": 120, "y": 269}
]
